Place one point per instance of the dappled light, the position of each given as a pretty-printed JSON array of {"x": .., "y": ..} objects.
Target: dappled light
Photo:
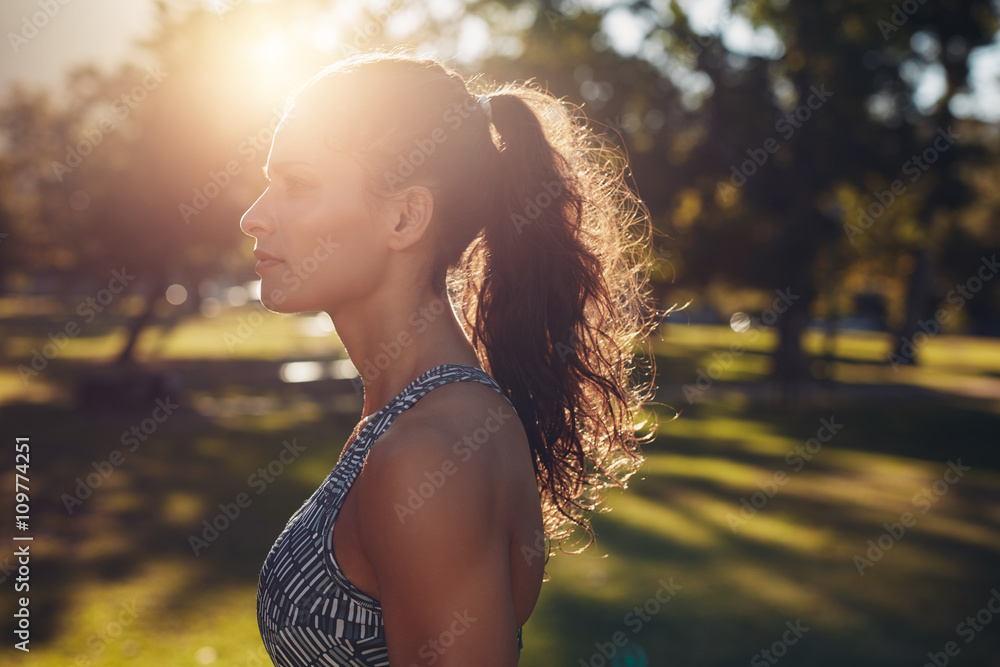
[
  {"x": 774, "y": 557},
  {"x": 822, "y": 486}
]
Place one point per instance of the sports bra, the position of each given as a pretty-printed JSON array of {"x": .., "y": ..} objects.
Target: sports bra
[{"x": 308, "y": 613}]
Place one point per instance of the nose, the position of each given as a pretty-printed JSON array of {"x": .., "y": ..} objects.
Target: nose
[{"x": 258, "y": 219}]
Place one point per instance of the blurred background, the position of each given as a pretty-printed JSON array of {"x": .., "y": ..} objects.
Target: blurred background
[{"x": 825, "y": 184}]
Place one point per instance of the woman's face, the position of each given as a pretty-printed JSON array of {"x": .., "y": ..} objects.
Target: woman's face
[{"x": 317, "y": 235}]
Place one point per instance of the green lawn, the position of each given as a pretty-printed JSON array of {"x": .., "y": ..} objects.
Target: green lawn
[{"x": 116, "y": 582}]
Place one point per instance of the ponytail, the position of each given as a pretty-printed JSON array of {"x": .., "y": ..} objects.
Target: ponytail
[{"x": 553, "y": 296}]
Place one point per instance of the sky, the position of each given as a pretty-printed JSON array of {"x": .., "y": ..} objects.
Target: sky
[
  {"x": 103, "y": 31},
  {"x": 100, "y": 31}
]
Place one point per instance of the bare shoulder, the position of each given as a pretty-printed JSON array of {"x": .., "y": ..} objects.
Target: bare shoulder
[
  {"x": 465, "y": 422},
  {"x": 434, "y": 517},
  {"x": 458, "y": 457}
]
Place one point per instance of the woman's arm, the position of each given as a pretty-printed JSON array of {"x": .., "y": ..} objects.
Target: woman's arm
[{"x": 429, "y": 523}]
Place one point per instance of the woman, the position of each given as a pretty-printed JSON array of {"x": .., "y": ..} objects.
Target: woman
[{"x": 483, "y": 247}]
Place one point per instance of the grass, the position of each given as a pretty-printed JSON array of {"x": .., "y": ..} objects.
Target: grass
[{"x": 678, "y": 574}]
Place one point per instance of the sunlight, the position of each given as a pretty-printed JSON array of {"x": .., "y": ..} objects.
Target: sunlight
[
  {"x": 324, "y": 36},
  {"x": 301, "y": 371},
  {"x": 315, "y": 326},
  {"x": 661, "y": 521},
  {"x": 237, "y": 296},
  {"x": 272, "y": 50},
  {"x": 343, "y": 369},
  {"x": 253, "y": 289}
]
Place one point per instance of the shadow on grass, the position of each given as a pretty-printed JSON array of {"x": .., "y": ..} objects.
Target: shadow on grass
[
  {"x": 102, "y": 516},
  {"x": 791, "y": 553},
  {"x": 791, "y": 560}
]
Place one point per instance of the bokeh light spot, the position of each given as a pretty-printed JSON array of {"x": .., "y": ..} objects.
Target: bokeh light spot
[
  {"x": 206, "y": 655},
  {"x": 343, "y": 369},
  {"x": 237, "y": 296},
  {"x": 301, "y": 371},
  {"x": 176, "y": 294}
]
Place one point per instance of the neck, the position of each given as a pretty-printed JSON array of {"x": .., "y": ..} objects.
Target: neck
[{"x": 393, "y": 340}]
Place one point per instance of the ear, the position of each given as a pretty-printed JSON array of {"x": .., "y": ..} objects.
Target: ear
[{"x": 412, "y": 210}]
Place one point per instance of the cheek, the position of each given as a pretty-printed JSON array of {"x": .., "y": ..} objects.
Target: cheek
[{"x": 332, "y": 250}]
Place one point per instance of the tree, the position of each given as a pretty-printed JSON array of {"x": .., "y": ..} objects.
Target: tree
[
  {"x": 147, "y": 170},
  {"x": 765, "y": 174}
]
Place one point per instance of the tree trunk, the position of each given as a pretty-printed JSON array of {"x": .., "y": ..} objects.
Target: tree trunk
[
  {"x": 791, "y": 365},
  {"x": 798, "y": 249},
  {"x": 917, "y": 296},
  {"x": 125, "y": 357},
  {"x": 830, "y": 347}
]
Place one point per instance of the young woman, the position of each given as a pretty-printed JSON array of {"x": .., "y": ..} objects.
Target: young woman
[{"x": 484, "y": 265}]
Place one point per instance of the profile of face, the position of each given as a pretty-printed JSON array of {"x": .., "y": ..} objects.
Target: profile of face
[{"x": 319, "y": 239}]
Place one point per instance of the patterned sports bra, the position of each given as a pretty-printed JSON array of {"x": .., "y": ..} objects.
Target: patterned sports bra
[{"x": 308, "y": 613}]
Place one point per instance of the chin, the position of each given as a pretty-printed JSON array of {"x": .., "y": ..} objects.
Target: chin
[
  {"x": 286, "y": 301},
  {"x": 275, "y": 308},
  {"x": 276, "y": 299}
]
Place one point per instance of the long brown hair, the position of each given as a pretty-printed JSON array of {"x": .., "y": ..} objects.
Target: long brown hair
[{"x": 540, "y": 244}]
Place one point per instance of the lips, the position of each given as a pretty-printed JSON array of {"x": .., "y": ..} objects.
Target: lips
[
  {"x": 264, "y": 256},
  {"x": 265, "y": 260}
]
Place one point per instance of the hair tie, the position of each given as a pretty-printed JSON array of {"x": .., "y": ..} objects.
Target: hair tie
[{"x": 484, "y": 104}]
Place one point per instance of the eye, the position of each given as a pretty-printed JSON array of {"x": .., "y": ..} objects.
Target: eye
[{"x": 293, "y": 184}]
